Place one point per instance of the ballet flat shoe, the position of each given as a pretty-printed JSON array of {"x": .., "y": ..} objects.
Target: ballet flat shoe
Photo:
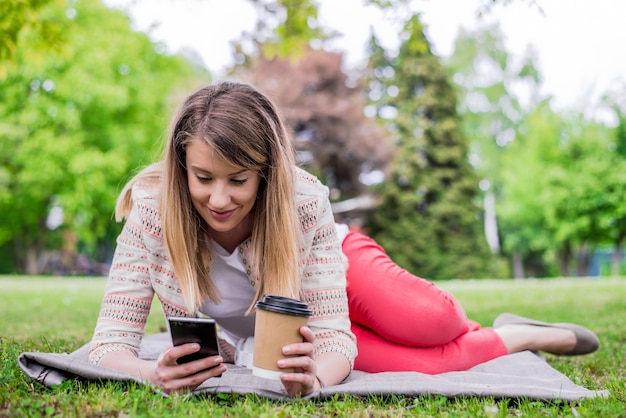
[{"x": 586, "y": 340}]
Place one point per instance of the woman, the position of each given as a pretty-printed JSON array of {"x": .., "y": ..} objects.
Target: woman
[{"x": 226, "y": 217}]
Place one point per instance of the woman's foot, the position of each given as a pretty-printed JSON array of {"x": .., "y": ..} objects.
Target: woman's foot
[{"x": 519, "y": 333}]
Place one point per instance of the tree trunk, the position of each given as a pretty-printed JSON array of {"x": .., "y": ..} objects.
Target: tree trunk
[
  {"x": 582, "y": 268},
  {"x": 616, "y": 261},
  {"x": 491, "y": 223},
  {"x": 616, "y": 258},
  {"x": 32, "y": 266},
  {"x": 564, "y": 256},
  {"x": 518, "y": 266}
]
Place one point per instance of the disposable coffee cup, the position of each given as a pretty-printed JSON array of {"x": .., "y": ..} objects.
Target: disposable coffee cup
[{"x": 277, "y": 324}]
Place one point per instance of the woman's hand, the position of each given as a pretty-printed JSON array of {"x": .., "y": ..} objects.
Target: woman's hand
[
  {"x": 304, "y": 380},
  {"x": 172, "y": 377}
]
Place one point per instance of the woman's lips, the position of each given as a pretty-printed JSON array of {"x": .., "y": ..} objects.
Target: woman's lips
[{"x": 221, "y": 216}]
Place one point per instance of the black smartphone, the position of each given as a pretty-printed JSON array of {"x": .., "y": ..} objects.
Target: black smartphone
[{"x": 195, "y": 330}]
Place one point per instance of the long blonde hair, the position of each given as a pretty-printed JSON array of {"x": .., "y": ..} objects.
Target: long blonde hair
[{"x": 243, "y": 126}]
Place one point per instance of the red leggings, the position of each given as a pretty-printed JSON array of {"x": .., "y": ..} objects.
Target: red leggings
[{"x": 405, "y": 323}]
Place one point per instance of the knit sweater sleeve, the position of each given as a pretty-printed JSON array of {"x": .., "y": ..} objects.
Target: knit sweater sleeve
[
  {"x": 129, "y": 292},
  {"x": 324, "y": 272}
]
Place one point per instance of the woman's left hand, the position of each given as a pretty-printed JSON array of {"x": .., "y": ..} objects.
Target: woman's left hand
[{"x": 304, "y": 380}]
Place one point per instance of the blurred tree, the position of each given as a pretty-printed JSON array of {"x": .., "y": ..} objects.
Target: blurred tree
[
  {"x": 321, "y": 103},
  {"x": 75, "y": 123},
  {"x": 429, "y": 220},
  {"x": 324, "y": 107},
  {"x": 617, "y": 102},
  {"x": 521, "y": 213},
  {"x": 496, "y": 91},
  {"x": 562, "y": 193},
  {"x": 486, "y": 6},
  {"x": 583, "y": 185},
  {"x": 284, "y": 28},
  {"x": 17, "y": 15}
]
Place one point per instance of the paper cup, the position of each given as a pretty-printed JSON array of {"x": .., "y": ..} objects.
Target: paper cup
[{"x": 277, "y": 324}]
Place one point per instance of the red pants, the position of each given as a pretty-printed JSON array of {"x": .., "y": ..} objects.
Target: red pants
[{"x": 405, "y": 323}]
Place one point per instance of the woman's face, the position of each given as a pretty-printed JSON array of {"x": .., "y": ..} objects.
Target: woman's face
[{"x": 223, "y": 194}]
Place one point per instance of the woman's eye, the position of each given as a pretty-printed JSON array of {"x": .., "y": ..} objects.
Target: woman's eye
[
  {"x": 203, "y": 179},
  {"x": 239, "y": 181}
]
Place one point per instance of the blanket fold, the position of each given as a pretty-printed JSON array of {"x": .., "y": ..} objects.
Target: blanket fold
[{"x": 519, "y": 375}]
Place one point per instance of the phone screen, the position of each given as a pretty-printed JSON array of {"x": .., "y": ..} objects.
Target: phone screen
[{"x": 195, "y": 330}]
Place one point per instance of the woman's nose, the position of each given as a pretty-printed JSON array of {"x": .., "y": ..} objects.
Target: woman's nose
[{"x": 219, "y": 197}]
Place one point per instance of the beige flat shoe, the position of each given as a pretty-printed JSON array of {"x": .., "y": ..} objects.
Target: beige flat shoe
[{"x": 586, "y": 340}]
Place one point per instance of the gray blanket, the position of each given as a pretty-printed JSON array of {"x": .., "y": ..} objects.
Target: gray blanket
[{"x": 520, "y": 375}]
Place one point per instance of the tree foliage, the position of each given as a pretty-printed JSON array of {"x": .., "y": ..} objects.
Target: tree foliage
[
  {"x": 547, "y": 171},
  {"x": 496, "y": 91},
  {"x": 84, "y": 100},
  {"x": 16, "y": 15},
  {"x": 617, "y": 102},
  {"x": 76, "y": 122},
  {"x": 563, "y": 189},
  {"x": 284, "y": 28},
  {"x": 324, "y": 107},
  {"x": 322, "y": 104},
  {"x": 429, "y": 221}
]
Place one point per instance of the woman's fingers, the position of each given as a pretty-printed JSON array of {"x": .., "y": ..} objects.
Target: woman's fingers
[
  {"x": 302, "y": 381},
  {"x": 190, "y": 382},
  {"x": 174, "y": 377},
  {"x": 307, "y": 334},
  {"x": 170, "y": 356},
  {"x": 304, "y": 348},
  {"x": 301, "y": 363}
]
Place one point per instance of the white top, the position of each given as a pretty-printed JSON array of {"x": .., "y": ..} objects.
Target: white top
[
  {"x": 229, "y": 275},
  {"x": 342, "y": 231}
]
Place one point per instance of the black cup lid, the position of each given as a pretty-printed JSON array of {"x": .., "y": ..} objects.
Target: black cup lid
[{"x": 284, "y": 305}]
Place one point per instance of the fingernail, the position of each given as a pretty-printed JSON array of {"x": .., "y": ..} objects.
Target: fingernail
[{"x": 286, "y": 350}]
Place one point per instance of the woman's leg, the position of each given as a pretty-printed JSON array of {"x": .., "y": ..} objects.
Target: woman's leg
[
  {"x": 379, "y": 355},
  {"x": 516, "y": 338},
  {"x": 405, "y": 323},
  {"x": 396, "y": 304}
]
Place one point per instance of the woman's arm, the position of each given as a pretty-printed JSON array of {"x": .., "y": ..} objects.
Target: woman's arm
[
  {"x": 324, "y": 286},
  {"x": 129, "y": 293},
  {"x": 127, "y": 362},
  {"x": 332, "y": 369},
  {"x": 165, "y": 372}
]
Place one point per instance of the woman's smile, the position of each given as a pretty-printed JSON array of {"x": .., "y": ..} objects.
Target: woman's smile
[{"x": 222, "y": 215}]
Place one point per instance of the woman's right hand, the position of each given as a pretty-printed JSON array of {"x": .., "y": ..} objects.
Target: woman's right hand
[{"x": 172, "y": 377}]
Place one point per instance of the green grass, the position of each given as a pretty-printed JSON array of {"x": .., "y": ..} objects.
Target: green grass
[{"x": 58, "y": 315}]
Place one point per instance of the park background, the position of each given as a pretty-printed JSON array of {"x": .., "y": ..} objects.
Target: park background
[
  {"x": 461, "y": 166},
  {"x": 467, "y": 165}
]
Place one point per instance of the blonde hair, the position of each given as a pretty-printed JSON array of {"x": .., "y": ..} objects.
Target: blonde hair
[{"x": 243, "y": 126}]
